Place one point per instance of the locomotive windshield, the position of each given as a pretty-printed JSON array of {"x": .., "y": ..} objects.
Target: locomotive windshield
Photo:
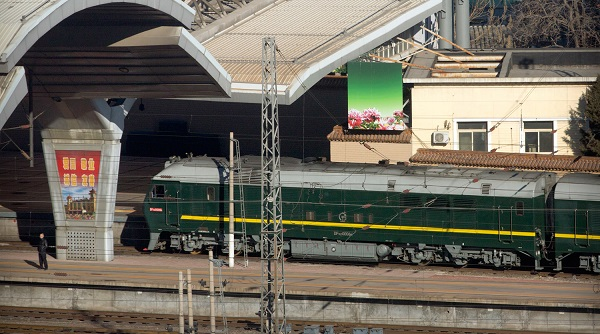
[{"x": 158, "y": 191}]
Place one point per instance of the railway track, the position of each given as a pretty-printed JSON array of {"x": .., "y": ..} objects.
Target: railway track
[
  {"x": 40, "y": 320},
  {"x": 22, "y": 246}
]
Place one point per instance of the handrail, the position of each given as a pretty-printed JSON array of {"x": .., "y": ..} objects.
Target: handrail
[
  {"x": 575, "y": 227},
  {"x": 511, "y": 224}
]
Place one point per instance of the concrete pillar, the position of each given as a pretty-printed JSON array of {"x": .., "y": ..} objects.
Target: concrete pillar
[
  {"x": 463, "y": 37},
  {"x": 446, "y": 22},
  {"x": 81, "y": 140}
]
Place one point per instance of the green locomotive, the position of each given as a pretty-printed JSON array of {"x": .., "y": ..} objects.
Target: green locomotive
[{"x": 365, "y": 212}]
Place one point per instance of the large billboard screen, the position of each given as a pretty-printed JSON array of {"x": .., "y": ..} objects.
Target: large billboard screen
[
  {"x": 375, "y": 96},
  {"x": 78, "y": 172}
]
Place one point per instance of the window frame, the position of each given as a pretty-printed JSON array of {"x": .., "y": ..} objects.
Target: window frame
[
  {"x": 524, "y": 132},
  {"x": 486, "y": 132}
]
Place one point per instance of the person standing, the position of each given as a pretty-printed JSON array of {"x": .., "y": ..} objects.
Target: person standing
[{"x": 42, "y": 247}]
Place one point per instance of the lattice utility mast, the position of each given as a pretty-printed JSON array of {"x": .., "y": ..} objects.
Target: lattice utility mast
[{"x": 272, "y": 303}]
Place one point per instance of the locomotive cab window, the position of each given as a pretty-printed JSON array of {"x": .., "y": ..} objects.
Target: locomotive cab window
[
  {"x": 210, "y": 193},
  {"x": 520, "y": 208},
  {"x": 158, "y": 191}
]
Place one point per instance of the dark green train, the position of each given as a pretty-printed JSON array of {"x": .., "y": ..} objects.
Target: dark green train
[{"x": 365, "y": 212}]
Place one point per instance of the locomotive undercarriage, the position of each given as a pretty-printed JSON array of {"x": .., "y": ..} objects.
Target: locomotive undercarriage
[
  {"x": 454, "y": 254},
  {"x": 352, "y": 251},
  {"x": 587, "y": 262},
  {"x": 410, "y": 253},
  {"x": 195, "y": 242}
]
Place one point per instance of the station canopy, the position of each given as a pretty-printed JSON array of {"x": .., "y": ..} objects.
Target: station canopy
[{"x": 148, "y": 48}]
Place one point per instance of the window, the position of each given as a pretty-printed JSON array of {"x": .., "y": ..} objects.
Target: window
[
  {"x": 539, "y": 136},
  {"x": 158, "y": 191},
  {"x": 472, "y": 136},
  {"x": 358, "y": 217},
  {"x": 210, "y": 193},
  {"x": 310, "y": 215},
  {"x": 520, "y": 208}
]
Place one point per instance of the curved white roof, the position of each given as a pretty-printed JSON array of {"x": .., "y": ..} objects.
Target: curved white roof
[
  {"x": 106, "y": 49},
  {"x": 25, "y": 22},
  {"x": 578, "y": 187},
  {"x": 348, "y": 176},
  {"x": 313, "y": 38}
]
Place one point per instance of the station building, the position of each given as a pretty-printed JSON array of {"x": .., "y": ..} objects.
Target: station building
[{"x": 510, "y": 101}]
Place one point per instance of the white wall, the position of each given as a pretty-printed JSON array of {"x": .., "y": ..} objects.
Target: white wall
[
  {"x": 356, "y": 152},
  {"x": 505, "y": 105}
]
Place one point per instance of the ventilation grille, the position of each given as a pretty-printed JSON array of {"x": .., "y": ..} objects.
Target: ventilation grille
[{"x": 81, "y": 245}]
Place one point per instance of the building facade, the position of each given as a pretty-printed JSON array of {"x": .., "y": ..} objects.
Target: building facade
[{"x": 518, "y": 101}]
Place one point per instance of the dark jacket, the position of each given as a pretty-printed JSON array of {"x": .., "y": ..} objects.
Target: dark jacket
[{"x": 42, "y": 246}]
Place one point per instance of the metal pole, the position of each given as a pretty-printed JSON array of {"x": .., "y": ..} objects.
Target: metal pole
[
  {"x": 211, "y": 285},
  {"x": 231, "y": 205},
  {"x": 190, "y": 308},
  {"x": 446, "y": 24},
  {"x": 463, "y": 37},
  {"x": 181, "y": 322},
  {"x": 30, "y": 89},
  {"x": 272, "y": 307}
]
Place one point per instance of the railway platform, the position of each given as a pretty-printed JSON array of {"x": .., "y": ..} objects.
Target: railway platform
[{"x": 410, "y": 295}]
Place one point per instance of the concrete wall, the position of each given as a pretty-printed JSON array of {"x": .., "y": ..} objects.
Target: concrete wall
[
  {"x": 314, "y": 308},
  {"x": 435, "y": 106},
  {"x": 9, "y": 229}
]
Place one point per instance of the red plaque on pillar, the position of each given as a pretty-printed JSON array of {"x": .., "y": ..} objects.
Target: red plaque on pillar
[{"x": 78, "y": 173}]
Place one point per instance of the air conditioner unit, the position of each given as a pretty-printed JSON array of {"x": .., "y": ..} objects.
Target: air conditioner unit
[{"x": 440, "y": 137}]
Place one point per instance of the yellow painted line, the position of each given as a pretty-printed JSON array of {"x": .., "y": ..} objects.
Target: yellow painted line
[
  {"x": 376, "y": 227},
  {"x": 124, "y": 210},
  {"x": 577, "y": 236}
]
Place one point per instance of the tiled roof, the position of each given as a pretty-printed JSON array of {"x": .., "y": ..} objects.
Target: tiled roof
[
  {"x": 508, "y": 160},
  {"x": 338, "y": 134}
]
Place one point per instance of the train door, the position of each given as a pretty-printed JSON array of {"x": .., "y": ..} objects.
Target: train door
[
  {"x": 581, "y": 227},
  {"x": 172, "y": 195},
  {"x": 505, "y": 223}
]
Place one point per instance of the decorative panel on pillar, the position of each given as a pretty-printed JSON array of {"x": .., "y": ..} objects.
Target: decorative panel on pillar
[{"x": 82, "y": 174}]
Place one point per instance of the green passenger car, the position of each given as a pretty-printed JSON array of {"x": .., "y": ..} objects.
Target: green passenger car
[
  {"x": 577, "y": 221},
  {"x": 357, "y": 212}
]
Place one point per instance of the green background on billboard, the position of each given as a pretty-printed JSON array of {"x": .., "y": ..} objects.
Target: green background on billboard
[{"x": 375, "y": 85}]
